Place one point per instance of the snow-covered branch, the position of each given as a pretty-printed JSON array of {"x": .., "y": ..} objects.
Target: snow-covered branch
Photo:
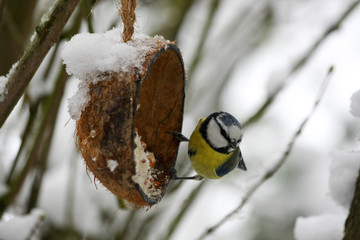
[{"x": 46, "y": 34}]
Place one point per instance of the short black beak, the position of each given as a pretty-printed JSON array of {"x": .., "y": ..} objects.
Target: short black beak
[
  {"x": 233, "y": 144},
  {"x": 241, "y": 164}
]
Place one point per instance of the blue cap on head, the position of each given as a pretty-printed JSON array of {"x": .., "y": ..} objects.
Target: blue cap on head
[{"x": 228, "y": 119}]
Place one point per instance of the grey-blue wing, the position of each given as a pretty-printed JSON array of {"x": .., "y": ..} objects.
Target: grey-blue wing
[
  {"x": 241, "y": 164},
  {"x": 230, "y": 164}
]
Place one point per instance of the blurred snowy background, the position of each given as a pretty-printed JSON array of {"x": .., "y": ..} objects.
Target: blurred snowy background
[{"x": 237, "y": 53}]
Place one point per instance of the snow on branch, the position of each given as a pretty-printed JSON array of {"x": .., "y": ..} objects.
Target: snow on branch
[{"x": 46, "y": 34}]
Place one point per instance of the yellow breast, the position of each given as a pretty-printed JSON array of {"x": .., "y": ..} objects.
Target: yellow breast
[{"x": 204, "y": 158}]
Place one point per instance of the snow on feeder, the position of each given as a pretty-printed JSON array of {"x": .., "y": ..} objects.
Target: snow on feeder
[{"x": 131, "y": 93}]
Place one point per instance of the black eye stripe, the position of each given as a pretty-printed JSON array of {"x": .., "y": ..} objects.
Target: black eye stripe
[{"x": 222, "y": 131}]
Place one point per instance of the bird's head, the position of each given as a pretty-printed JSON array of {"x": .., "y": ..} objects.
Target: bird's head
[{"x": 222, "y": 132}]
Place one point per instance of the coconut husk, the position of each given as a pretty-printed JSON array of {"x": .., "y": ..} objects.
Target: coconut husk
[{"x": 148, "y": 102}]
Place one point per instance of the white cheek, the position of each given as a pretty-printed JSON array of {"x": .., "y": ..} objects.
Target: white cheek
[
  {"x": 214, "y": 136},
  {"x": 235, "y": 132}
]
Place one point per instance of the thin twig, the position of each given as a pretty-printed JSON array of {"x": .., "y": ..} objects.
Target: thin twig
[
  {"x": 86, "y": 7},
  {"x": 26, "y": 138},
  {"x": 301, "y": 62},
  {"x": 147, "y": 226},
  {"x": 178, "y": 12},
  {"x": 42, "y": 147},
  {"x": 128, "y": 225},
  {"x": 36, "y": 228},
  {"x": 14, "y": 30},
  {"x": 272, "y": 170},
  {"x": 33, "y": 109},
  {"x": 214, "y": 5},
  {"x": 47, "y": 33},
  {"x": 175, "y": 222}
]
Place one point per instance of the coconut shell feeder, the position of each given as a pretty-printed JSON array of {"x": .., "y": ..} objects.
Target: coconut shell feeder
[{"x": 122, "y": 131}]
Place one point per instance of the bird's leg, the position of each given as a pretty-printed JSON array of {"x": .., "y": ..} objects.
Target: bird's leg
[
  {"x": 179, "y": 136},
  {"x": 197, "y": 177},
  {"x": 174, "y": 177}
]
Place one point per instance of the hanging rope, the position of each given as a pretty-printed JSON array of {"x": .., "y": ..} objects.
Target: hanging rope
[{"x": 127, "y": 13}]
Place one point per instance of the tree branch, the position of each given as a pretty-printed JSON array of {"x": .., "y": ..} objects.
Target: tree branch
[{"x": 47, "y": 33}]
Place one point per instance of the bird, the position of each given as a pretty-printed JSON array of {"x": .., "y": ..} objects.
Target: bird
[{"x": 213, "y": 147}]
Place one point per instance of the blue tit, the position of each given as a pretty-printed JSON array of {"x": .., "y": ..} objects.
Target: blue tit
[{"x": 214, "y": 146}]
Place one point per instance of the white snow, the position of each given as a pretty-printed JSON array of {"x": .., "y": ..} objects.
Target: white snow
[
  {"x": 112, "y": 164},
  {"x": 87, "y": 55},
  {"x": 355, "y": 104},
  {"x": 3, "y": 89},
  {"x": 33, "y": 36},
  {"x": 4, "y": 80},
  {"x": 344, "y": 169},
  {"x": 78, "y": 101},
  {"x": 324, "y": 227},
  {"x": 145, "y": 174},
  {"x": 21, "y": 227}
]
